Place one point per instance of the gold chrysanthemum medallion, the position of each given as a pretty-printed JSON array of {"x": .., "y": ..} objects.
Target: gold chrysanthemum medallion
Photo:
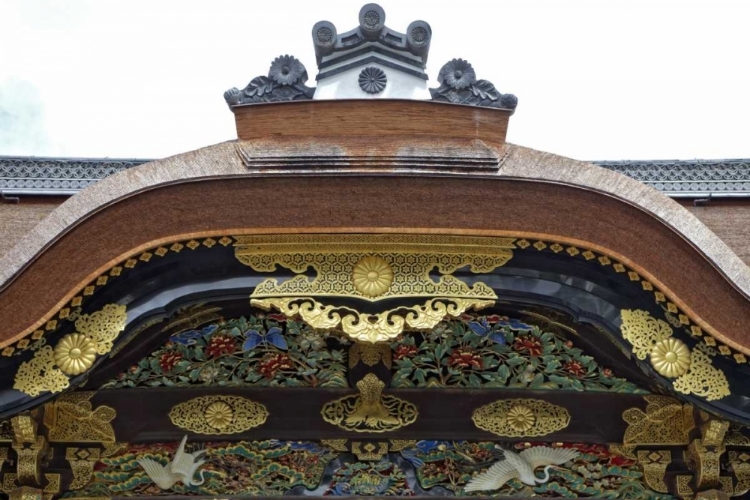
[
  {"x": 372, "y": 276},
  {"x": 219, "y": 415},
  {"x": 670, "y": 357},
  {"x": 521, "y": 418},
  {"x": 75, "y": 353}
]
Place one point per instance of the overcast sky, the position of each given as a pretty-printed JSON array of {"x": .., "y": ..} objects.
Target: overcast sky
[{"x": 595, "y": 79}]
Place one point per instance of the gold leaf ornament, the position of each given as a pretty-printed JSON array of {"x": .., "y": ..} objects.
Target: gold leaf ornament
[
  {"x": 372, "y": 328},
  {"x": 521, "y": 418},
  {"x": 372, "y": 276},
  {"x": 74, "y": 353},
  {"x": 219, "y": 415},
  {"x": 215, "y": 415},
  {"x": 670, "y": 357},
  {"x": 692, "y": 370}
]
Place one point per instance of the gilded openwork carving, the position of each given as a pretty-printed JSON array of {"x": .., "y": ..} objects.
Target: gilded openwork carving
[
  {"x": 371, "y": 328},
  {"x": 654, "y": 464},
  {"x": 373, "y": 267},
  {"x": 666, "y": 421},
  {"x": 73, "y": 354},
  {"x": 71, "y": 418},
  {"x": 521, "y": 418},
  {"x": 371, "y": 411},
  {"x": 218, "y": 415},
  {"x": 692, "y": 371}
]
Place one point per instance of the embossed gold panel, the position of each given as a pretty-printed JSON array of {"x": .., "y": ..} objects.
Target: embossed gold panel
[
  {"x": 397, "y": 265},
  {"x": 218, "y": 415},
  {"x": 521, "y": 418}
]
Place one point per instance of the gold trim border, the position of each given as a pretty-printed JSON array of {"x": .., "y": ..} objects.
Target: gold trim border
[{"x": 138, "y": 253}]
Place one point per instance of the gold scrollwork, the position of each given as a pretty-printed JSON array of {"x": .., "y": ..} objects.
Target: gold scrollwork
[
  {"x": 82, "y": 461},
  {"x": 216, "y": 415},
  {"x": 370, "y": 327},
  {"x": 373, "y": 266},
  {"x": 706, "y": 461},
  {"x": 371, "y": 411},
  {"x": 692, "y": 371},
  {"x": 74, "y": 354},
  {"x": 369, "y": 451},
  {"x": 72, "y": 419},
  {"x": 665, "y": 422},
  {"x": 740, "y": 462},
  {"x": 521, "y": 418},
  {"x": 654, "y": 464},
  {"x": 28, "y": 461},
  {"x": 335, "y": 444},
  {"x": 370, "y": 354}
]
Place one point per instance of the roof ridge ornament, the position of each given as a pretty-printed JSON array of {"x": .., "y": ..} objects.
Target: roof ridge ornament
[
  {"x": 459, "y": 85},
  {"x": 372, "y": 48},
  {"x": 285, "y": 82}
]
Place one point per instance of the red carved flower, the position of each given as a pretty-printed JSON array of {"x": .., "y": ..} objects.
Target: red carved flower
[
  {"x": 404, "y": 351},
  {"x": 169, "y": 360},
  {"x": 271, "y": 363},
  {"x": 607, "y": 372},
  {"x": 220, "y": 344},
  {"x": 528, "y": 344},
  {"x": 494, "y": 318},
  {"x": 575, "y": 368},
  {"x": 465, "y": 357},
  {"x": 568, "y": 344}
]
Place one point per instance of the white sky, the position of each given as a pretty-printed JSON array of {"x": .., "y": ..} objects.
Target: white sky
[{"x": 595, "y": 79}]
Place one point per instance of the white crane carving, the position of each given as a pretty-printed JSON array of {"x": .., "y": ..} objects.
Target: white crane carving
[
  {"x": 521, "y": 466},
  {"x": 182, "y": 468}
]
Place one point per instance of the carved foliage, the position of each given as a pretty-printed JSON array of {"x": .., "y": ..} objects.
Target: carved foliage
[
  {"x": 498, "y": 352},
  {"x": 255, "y": 350}
]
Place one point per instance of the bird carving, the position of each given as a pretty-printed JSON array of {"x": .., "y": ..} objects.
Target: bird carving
[
  {"x": 522, "y": 466},
  {"x": 183, "y": 467}
]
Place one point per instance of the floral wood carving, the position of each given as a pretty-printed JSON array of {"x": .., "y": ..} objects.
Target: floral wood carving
[
  {"x": 692, "y": 371},
  {"x": 218, "y": 415},
  {"x": 496, "y": 352},
  {"x": 459, "y": 85},
  {"x": 285, "y": 82},
  {"x": 371, "y": 411},
  {"x": 521, "y": 418},
  {"x": 253, "y": 351}
]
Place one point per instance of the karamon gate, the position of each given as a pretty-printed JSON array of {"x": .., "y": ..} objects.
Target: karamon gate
[{"x": 370, "y": 293}]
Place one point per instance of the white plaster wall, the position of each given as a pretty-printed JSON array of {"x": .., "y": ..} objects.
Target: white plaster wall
[{"x": 345, "y": 85}]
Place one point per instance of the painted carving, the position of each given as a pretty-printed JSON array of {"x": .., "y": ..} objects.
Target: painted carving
[
  {"x": 498, "y": 352},
  {"x": 183, "y": 468},
  {"x": 253, "y": 350},
  {"x": 521, "y": 466}
]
